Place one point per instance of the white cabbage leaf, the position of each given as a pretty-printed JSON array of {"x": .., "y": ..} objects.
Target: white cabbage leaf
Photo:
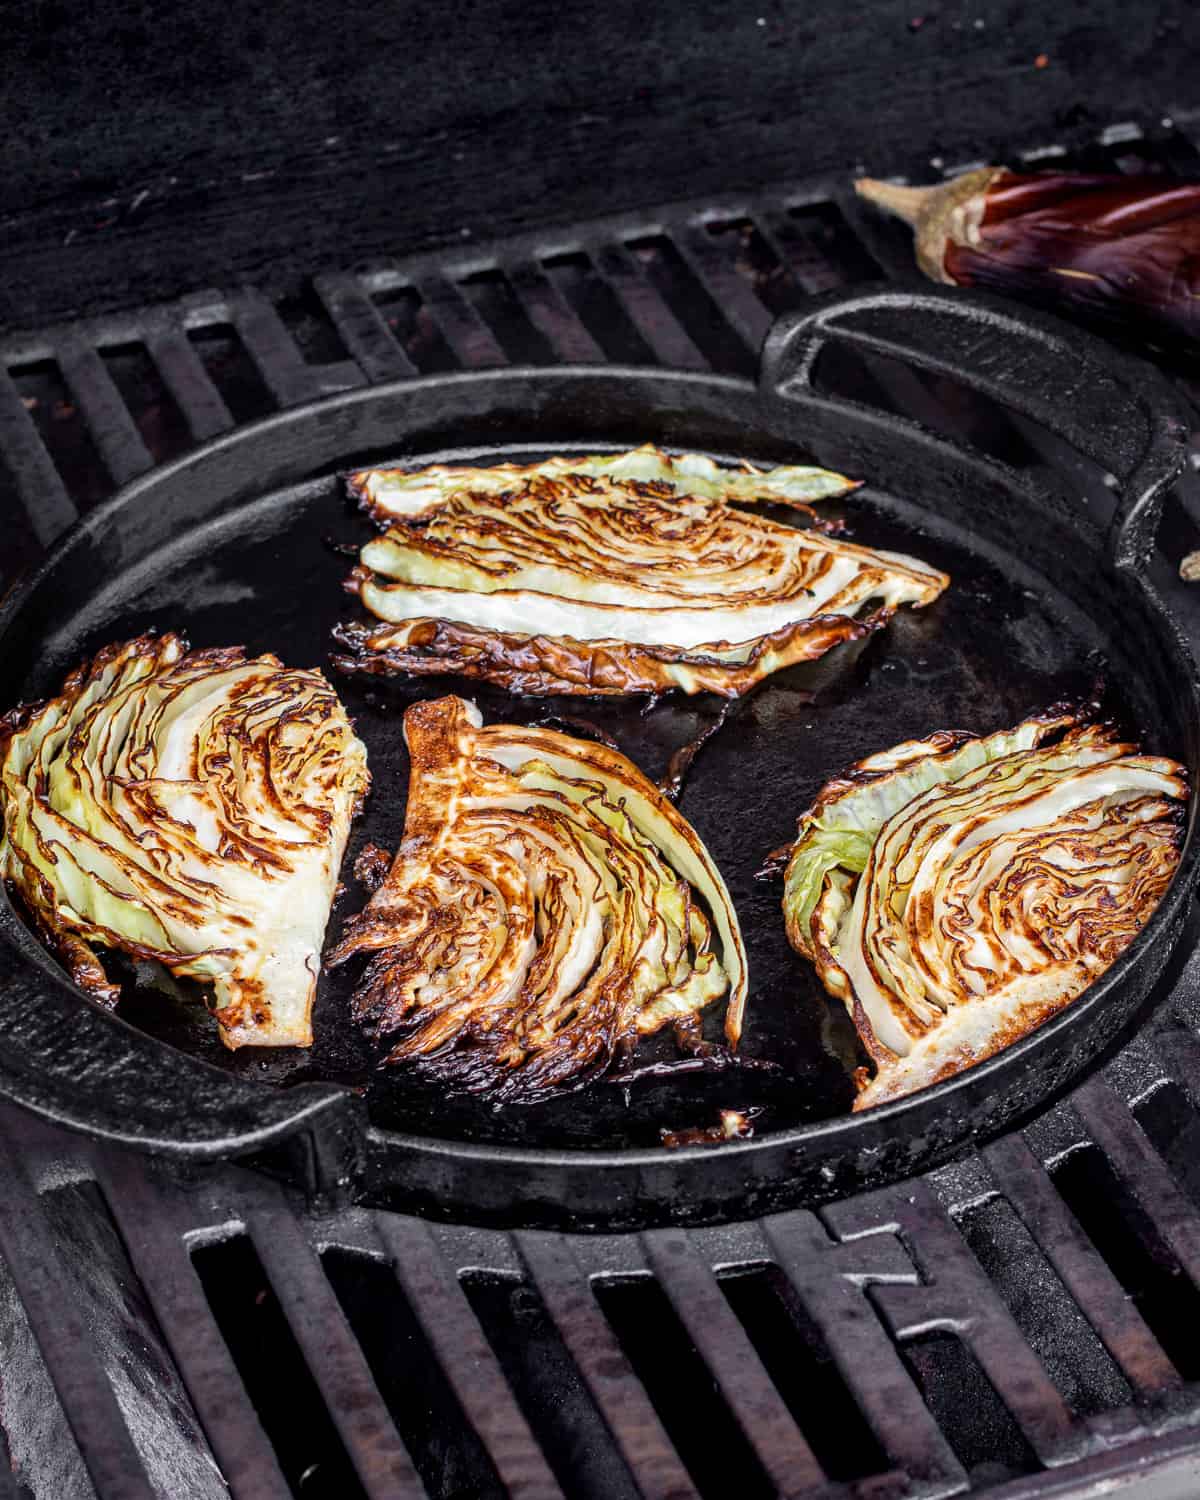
[
  {"x": 546, "y": 907},
  {"x": 612, "y": 574},
  {"x": 955, "y": 892},
  {"x": 187, "y": 807}
]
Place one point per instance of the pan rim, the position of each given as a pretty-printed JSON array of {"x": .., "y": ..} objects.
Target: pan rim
[{"x": 1165, "y": 915}]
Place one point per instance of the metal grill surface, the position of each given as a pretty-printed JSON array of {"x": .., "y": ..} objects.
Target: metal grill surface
[{"x": 1020, "y": 1324}]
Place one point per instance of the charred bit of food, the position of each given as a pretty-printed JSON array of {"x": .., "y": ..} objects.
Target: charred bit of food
[
  {"x": 774, "y": 863},
  {"x": 371, "y": 865},
  {"x": 611, "y": 574},
  {"x": 188, "y": 807},
  {"x": 956, "y": 892},
  {"x": 573, "y": 724},
  {"x": 696, "y": 1055},
  {"x": 682, "y": 759},
  {"x": 734, "y": 1125},
  {"x": 546, "y": 907}
]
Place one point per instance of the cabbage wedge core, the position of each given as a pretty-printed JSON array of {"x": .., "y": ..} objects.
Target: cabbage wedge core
[
  {"x": 541, "y": 911},
  {"x": 615, "y": 573},
  {"x": 955, "y": 892},
  {"x": 189, "y": 807}
]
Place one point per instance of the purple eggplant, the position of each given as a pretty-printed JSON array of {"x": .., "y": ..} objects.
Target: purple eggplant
[{"x": 1122, "y": 251}]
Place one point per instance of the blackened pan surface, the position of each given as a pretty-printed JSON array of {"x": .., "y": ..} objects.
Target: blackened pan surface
[{"x": 261, "y": 563}]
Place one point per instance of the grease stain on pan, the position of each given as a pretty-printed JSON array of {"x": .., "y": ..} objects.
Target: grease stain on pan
[{"x": 210, "y": 588}]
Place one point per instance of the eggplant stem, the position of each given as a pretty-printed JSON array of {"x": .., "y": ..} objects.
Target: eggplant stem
[
  {"x": 905, "y": 202},
  {"x": 938, "y": 214}
]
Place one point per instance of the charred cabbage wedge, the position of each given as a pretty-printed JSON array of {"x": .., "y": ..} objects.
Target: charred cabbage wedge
[
  {"x": 190, "y": 807},
  {"x": 543, "y": 910},
  {"x": 955, "y": 892},
  {"x": 617, "y": 573}
]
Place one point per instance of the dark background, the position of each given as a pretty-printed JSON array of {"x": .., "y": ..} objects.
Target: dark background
[{"x": 151, "y": 149}]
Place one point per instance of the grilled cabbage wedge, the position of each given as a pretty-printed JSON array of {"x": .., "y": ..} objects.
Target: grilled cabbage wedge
[
  {"x": 542, "y": 912},
  {"x": 190, "y": 807},
  {"x": 955, "y": 892},
  {"x": 616, "y": 573}
]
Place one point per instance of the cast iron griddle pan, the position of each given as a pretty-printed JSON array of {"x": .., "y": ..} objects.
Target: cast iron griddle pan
[{"x": 237, "y": 544}]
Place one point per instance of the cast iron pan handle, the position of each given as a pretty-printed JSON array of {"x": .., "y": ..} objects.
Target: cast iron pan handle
[
  {"x": 1117, "y": 411},
  {"x": 71, "y": 1064}
]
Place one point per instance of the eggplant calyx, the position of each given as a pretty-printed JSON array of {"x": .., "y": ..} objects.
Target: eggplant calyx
[{"x": 947, "y": 212}]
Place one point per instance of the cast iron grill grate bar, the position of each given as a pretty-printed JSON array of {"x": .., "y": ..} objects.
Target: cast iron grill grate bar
[
  {"x": 886, "y": 242},
  {"x": 1026, "y": 1184},
  {"x": 553, "y": 316},
  {"x": 152, "y": 1224},
  {"x": 62, "y": 1332},
  {"x": 732, "y": 293},
  {"x": 273, "y": 350},
  {"x": 203, "y": 407},
  {"x": 1143, "y": 1171},
  {"x": 619, "y": 1395},
  {"x": 40, "y": 489},
  {"x": 331, "y": 1352},
  {"x": 831, "y": 1280},
  {"x": 472, "y": 341},
  {"x": 956, "y": 1297},
  {"x": 722, "y": 1343},
  {"x": 462, "y": 1349},
  {"x": 365, "y": 333},
  {"x": 1179, "y": 1051},
  {"x": 653, "y": 319},
  {"x": 112, "y": 427},
  {"x": 791, "y": 242}
]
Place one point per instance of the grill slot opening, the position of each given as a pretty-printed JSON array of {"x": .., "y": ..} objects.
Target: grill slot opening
[
  {"x": 21, "y": 543},
  {"x": 548, "y": 1387},
  {"x": 707, "y": 1438},
  {"x": 415, "y": 330},
  {"x": 801, "y": 1368},
  {"x": 968, "y": 418},
  {"x": 1179, "y": 529},
  {"x": 493, "y": 298},
  {"x": 598, "y": 308},
  {"x": 1114, "y": 1222},
  {"x": 272, "y": 1368},
  {"x": 307, "y": 320},
  {"x": 753, "y": 258},
  {"x": 63, "y": 430},
  {"x": 823, "y": 250},
  {"x": 978, "y": 1426},
  {"x": 445, "y": 1450},
  {"x": 1054, "y": 1327},
  {"x": 936, "y": 402},
  {"x": 1170, "y": 1120},
  {"x": 232, "y": 371},
  {"x": 695, "y": 309},
  {"x": 154, "y": 410}
]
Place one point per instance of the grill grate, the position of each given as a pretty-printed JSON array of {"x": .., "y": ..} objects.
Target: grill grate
[
  {"x": 1021, "y": 1317},
  {"x": 406, "y": 1344}
]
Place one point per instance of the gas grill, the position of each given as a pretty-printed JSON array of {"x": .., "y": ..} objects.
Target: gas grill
[{"x": 1021, "y": 1323}]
